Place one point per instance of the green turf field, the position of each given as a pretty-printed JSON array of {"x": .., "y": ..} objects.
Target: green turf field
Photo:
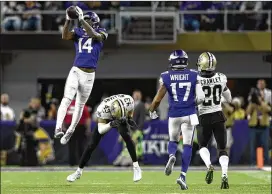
[{"x": 247, "y": 182}]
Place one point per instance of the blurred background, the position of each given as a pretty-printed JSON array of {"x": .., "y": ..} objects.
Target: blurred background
[{"x": 35, "y": 62}]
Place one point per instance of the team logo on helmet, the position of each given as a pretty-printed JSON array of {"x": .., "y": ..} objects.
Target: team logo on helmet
[{"x": 206, "y": 62}]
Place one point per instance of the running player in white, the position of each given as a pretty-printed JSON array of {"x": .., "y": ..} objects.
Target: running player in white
[
  {"x": 113, "y": 112},
  {"x": 211, "y": 117},
  {"x": 88, "y": 40}
]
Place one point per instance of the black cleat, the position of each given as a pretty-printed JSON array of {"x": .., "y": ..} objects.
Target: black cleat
[
  {"x": 225, "y": 184},
  {"x": 209, "y": 175}
]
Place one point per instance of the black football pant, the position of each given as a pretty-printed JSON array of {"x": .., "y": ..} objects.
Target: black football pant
[
  {"x": 124, "y": 132},
  {"x": 205, "y": 133}
]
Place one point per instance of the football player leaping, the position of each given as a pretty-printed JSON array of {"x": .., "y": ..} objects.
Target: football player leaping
[
  {"x": 113, "y": 112},
  {"x": 211, "y": 117},
  {"x": 88, "y": 40},
  {"x": 184, "y": 94}
]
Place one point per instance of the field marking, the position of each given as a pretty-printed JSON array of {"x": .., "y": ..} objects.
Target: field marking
[
  {"x": 258, "y": 175},
  {"x": 268, "y": 169}
]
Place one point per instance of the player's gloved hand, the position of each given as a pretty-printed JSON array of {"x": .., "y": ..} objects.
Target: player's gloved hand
[
  {"x": 153, "y": 115},
  {"x": 116, "y": 123},
  {"x": 79, "y": 13},
  {"x": 67, "y": 16},
  {"x": 132, "y": 124}
]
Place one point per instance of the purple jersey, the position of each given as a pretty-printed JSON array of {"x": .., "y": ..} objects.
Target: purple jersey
[
  {"x": 87, "y": 49},
  {"x": 180, "y": 86}
]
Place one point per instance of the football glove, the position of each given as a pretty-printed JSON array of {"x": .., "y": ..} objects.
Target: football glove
[
  {"x": 153, "y": 115},
  {"x": 116, "y": 123},
  {"x": 132, "y": 124},
  {"x": 79, "y": 13}
]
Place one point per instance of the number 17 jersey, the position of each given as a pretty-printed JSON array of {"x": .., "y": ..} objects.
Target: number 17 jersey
[
  {"x": 87, "y": 49},
  {"x": 213, "y": 88},
  {"x": 181, "y": 88}
]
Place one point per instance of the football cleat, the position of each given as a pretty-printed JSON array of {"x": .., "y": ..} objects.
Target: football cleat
[
  {"x": 137, "y": 174},
  {"x": 225, "y": 184},
  {"x": 209, "y": 175},
  {"x": 58, "y": 133},
  {"x": 182, "y": 183},
  {"x": 73, "y": 177},
  {"x": 66, "y": 138},
  {"x": 170, "y": 165}
]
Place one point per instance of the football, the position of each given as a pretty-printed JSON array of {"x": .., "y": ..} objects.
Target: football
[{"x": 71, "y": 11}]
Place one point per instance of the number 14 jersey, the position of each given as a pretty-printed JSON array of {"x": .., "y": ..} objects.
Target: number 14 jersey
[
  {"x": 87, "y": 48},
  {"x": 213, "y": 88}
]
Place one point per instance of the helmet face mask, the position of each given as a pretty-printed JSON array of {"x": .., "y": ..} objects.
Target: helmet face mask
[
  {"x": 178, "y": 59},
  {"x": 206, "y": 63}
]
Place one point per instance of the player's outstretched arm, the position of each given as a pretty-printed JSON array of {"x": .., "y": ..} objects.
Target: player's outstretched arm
[
  {"x": 157, "y": 99},
  {"x": 67, "y": 33},
  {"x": 89, "y": 29}
]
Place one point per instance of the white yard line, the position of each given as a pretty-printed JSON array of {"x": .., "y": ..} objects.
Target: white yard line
[{"x": 258, "y": 175}]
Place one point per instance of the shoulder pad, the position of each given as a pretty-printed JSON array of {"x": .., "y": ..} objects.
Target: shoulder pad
[
  {"x": 222, "y": 76},
  {"x": 164, "y": 72}
]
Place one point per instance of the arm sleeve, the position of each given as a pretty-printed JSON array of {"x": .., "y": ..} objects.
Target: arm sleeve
[
  {"x": 227, "y": 95},
  {"x": 200, "y": 96},
  {"x": 103, "y": 128},
  {"x": 104, "y": 33}
]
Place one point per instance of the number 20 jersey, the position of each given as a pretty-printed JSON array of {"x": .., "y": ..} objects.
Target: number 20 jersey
[
  {"x": 103, "y": 110},
  {"x": 87, "y": 48},
  {"x": 213, "y": 88},
  {"x": 181, "y": 88}
]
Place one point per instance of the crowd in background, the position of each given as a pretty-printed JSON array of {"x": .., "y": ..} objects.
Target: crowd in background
[
  {"x": 256, "y": 109},
  {"x": 31, "y": 19}
]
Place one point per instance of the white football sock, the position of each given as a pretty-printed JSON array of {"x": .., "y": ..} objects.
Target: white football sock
[
  {"x": 135, "y": 164},
  {"x": 205, "y": 155},
  {"x": 65, "y": 102},
  {"x": 224, "y": 162},
  {"x": 76, "y": 116}
]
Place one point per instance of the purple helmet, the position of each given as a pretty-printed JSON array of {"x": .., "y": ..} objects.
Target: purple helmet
[
  {"x": 178, "y": 59},
  {"x": 92, "y": 17}
]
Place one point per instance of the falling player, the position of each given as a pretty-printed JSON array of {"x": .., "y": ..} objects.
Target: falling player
[
  {"x": 113, "y": 112},
  {"x": 88, "y": 40},
  {"x": 184, "y": 94},
  {"x": 211, "y": 117}
]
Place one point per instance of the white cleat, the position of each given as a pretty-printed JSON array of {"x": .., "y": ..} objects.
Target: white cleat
[
  {"x": 182, "y": 183},
  {"x": 73, "y": 177},
  {"x": 170, "y": 165},
  {"x": 58, "y": 133},
  {"x": 137, "y": 176},
  {"x": 66, "y": 138}
]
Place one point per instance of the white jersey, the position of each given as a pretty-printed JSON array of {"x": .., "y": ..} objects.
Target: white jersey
[
  {"x": 213, "y": 88},
  {"x": 103, "y": 110}
]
